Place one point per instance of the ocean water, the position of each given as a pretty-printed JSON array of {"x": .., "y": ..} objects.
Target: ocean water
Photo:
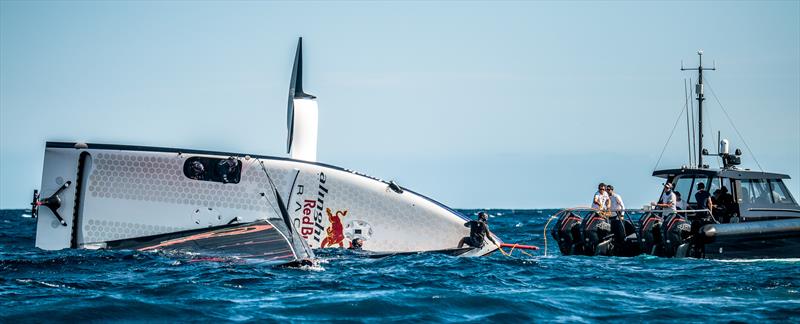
[{"x": 82, "y": 285}]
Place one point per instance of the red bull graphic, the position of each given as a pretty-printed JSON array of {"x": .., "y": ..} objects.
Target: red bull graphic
[
  {"x": 309, "y": 224},
  {"x": 335, "y": 232}
]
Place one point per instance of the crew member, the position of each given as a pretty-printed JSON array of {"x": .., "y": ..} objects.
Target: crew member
[
  {"x": 600, "y": 200},
  {"x": 703, "y": 198},
  {"x": 197, "y": 170},
  {"x": 668, "y": 200},
  {"x": 681, "y": 203},
  {"x": 725, "y": 198},
  {"x": 723, "y": 204},
  {"x": 478, "y": 232},
  {"x": 227, "y": 170},
  {"x": 356, "y": 244},
  {"x": 615, "y": 201}
]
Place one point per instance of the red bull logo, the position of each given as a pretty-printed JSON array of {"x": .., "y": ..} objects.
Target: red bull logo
[{"x": 335, "y": 232}]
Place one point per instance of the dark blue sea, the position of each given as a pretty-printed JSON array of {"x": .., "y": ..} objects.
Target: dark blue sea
[{"x": 82, "y": 285}]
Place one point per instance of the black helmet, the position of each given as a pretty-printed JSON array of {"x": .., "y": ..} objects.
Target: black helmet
[{"x": 197, "y": 167}]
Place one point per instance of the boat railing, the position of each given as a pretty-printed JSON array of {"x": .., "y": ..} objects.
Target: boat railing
[{"x": 630, "y": 211}]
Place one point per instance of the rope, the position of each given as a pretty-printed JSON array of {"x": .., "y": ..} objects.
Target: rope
[
  {"x": 274, "y": 209},
  {"x": 508, "y": 254},
  {"x": 544, "y": 232},
  {"x": 732, "y": 124},
  {"x": 670, "y": 137},
  {"x": 556, "y": 215}
]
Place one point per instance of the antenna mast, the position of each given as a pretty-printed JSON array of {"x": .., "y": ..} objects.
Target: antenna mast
[{"x": 700, "y": 98}]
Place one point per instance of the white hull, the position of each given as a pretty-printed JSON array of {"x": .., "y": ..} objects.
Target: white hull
[{"x": 128, "y": 192}]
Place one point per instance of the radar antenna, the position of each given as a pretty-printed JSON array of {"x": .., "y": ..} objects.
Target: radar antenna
[{"x": 700, "y": 98}]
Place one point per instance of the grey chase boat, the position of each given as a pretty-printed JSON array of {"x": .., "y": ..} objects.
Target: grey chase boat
[{"x": 754, "y": 216}]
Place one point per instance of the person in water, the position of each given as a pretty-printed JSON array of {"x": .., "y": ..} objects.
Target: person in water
[
  {"x": 356, "y": 244},
  {"x": 615, "y": 201},
  {"x": 478, "y": 232},
  {"x": 668, "y": 200},
  {"x": 600, "y": 200}
]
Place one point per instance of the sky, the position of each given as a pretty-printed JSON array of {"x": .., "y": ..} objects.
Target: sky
[{"x": 475, "y": 104}]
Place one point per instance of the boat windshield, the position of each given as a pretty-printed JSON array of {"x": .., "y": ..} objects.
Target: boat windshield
[
  {"x": 765, "y": 192},
  {"x": 687, "y": 186},
  {"x": 779, "y": 193}
]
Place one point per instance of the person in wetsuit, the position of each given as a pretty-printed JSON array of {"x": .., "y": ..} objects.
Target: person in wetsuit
[
  {"x": 478, "y": 232},
  {"x": 197, "y": 170},
  {"x": 227, "y": 170},
  {"x": 356, "y": 244}
]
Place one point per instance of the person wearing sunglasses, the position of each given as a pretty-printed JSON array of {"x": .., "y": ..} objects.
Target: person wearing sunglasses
[
  {"x": 668, "y": 199},
  {"x": 600, "y": 201},
  {"x": 615, "y": 201}
]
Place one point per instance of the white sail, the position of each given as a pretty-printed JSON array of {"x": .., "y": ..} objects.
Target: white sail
[
  {"x": 305, "y": 125},
  {"x": 302, "y": 115}
]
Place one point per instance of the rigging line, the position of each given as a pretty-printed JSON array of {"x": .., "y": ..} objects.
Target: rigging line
[
  {"x": 710, "y": 121},
  {"x": 694, "y": 136},
  {"x": 688, "y": 125},
  {"x": 717, "y": 157},
  {"x": 725, "y": 112},
  {"x": 544, "y": 231},
  {"x": 274, "y": 209},
  {"x": 669, "y": 138}
]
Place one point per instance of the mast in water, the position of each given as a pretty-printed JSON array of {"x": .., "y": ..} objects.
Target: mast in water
[{"x": 700, "y": 98}]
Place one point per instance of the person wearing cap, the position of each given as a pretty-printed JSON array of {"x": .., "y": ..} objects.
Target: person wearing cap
[
  {"x": 668, "y": 200},
  {"x": 600, "y": 200},
  {"x": 478, "y": 232},
  {"x": 615, "y": 201}
]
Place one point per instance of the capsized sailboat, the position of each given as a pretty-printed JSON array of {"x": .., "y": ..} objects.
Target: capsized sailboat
[{"x": 109, "y": 195}]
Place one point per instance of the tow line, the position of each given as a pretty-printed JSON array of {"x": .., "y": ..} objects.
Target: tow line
[{"x": 519, "y": 247}]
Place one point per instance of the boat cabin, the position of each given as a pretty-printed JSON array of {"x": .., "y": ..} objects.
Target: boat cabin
[{"x": 753, "y": 196}]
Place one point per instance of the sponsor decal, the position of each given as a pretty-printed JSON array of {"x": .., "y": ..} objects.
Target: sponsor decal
[
  {"x": 334, "y": 232},
  {"x": 310, "y": 220},
  {"x": 320, "y": 226}
]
